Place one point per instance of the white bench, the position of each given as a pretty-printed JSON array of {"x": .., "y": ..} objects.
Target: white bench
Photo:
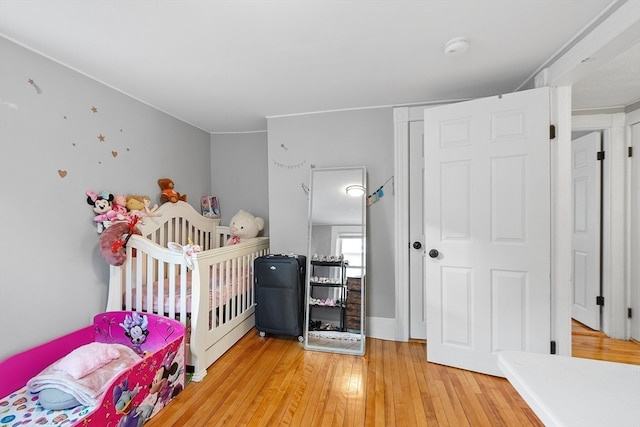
[{"x": 570, "y": 391}]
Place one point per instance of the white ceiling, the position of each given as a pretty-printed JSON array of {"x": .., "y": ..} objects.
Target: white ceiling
[
  {"x": 614, "y": 85},
  {"x": 224, "y": 66}
]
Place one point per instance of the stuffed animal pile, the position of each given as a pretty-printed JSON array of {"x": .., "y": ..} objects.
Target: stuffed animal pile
[
  {"x": 244, "y": 226},
  {"x": 110, "y": 208}
]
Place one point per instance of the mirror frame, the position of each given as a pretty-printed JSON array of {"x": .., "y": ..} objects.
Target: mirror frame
[{"x": 337, "y": 345}]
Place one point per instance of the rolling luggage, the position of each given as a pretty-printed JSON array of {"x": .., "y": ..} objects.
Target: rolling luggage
[{"x": 280, "y": 290}]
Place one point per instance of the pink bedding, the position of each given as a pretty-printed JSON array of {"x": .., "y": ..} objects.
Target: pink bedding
[
  {"x": 89, "y": 388},
  {"x": 224, "y": 290}
]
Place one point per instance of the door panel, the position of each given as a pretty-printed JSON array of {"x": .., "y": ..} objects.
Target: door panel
[
  {"x": 586, "y": 176},
  {"x": 487, "y": 212}
]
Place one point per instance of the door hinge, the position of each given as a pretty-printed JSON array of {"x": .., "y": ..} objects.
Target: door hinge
[
  {"x": 552, "y": 131},
  {"x": 630, "y": 152},
  {"x": 629, "y": 313},
  {"x": 600, "y": 155},
  {"x": 600, "y": 300},
  {"x": 553, "y": 347}
]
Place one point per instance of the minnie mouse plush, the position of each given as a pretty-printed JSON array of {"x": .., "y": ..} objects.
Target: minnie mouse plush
[{"x": 102, "y": 207}]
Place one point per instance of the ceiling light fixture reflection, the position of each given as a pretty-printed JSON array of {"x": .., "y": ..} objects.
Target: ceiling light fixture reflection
[{"x": 355, "y": 190}]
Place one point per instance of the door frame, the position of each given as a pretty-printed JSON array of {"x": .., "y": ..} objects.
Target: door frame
[{"x": 560, "y": 152}]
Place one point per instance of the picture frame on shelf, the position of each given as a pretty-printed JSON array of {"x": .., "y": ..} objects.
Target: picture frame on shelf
[{"x": 210, "y": 207}]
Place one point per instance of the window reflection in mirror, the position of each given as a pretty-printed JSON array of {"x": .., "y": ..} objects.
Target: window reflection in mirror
[{"x": 335, "y": 309}]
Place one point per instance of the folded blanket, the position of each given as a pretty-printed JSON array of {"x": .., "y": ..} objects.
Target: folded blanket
[
  {"x": 86, "y": 359},
  {"x": 88, "y": 389}
]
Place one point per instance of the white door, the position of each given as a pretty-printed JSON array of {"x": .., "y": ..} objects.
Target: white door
[
  {"x": 417, "y": 313},
  {"x": 487, "y": 214},
  {"x": 635, "y": 232},
  {"x": 585, "y": 268}
]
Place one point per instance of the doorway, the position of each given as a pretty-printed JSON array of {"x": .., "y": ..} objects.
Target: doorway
[
  {"x": 615, "y": 255},
  {"x": 587, "y": 158},
  {"x": 618, "y": 268}
]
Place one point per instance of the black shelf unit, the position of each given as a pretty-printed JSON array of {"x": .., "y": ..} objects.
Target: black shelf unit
[{"x": 340, "y": 286}]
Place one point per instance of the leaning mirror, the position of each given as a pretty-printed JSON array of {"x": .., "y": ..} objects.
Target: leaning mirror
[{"x": 336, "y": 262}]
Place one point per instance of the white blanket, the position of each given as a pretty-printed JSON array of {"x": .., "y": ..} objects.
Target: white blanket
[{"x": 88, "y": 389}]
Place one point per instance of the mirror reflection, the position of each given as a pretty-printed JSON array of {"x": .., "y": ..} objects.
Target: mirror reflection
[{"x": 335, "y": 309}]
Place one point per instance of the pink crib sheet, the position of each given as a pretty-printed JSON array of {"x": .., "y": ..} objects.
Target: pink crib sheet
[{"x": 225, "y": 290}]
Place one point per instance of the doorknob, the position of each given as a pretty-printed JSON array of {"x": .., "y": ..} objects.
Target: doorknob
[
  {"x": 433, "y": 253},
  {"x": 417, "y": 245}
]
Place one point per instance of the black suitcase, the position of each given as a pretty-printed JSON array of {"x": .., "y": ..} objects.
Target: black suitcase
[{"x": 280, "y": 290}]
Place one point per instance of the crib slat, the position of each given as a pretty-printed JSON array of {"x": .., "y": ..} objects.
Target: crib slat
[
  {"x": 214, "y": 274},
  {"x": 171, "y": 310},
  {"x": 183, "y": 298},
  {"x": 128, "y": 280},
  {"x": 226, "y": 296},
  {"x": 138, "y": 279},
  {"x": 245, "y": 278},
  {"x": 160, "y": 281},
  {"x": 148, "y": 281}
]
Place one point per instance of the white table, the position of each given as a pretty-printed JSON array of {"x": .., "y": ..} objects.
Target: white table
[{"x": 570, "y": 391}]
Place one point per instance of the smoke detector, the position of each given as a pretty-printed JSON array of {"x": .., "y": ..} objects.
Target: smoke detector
[{"x": 456, "y": 46}]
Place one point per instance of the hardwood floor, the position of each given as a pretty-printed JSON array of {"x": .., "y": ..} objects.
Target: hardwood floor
[
  {"x": 591, "y": 344},
  {"x": 275, "y": 382}
]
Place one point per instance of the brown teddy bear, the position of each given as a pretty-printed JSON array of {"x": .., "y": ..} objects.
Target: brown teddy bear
[{"x": 168, "y": 193}]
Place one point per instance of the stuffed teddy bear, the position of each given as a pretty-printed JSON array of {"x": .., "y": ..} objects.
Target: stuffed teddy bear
[
  {"x": 168, "y": 193},
  {"x": 244, "y": 226}
]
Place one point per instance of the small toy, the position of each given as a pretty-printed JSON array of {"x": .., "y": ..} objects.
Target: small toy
[
  {"x": 168, "y": 193},
  {"x": 102, "y": 207},
  {"x": 188, "y": 250},
  {"x": 150, "y": 211},
  {"x": 244, "y": 226},
  {"x": 139, "y": 206},
  {"x": 120, "y": 206}
]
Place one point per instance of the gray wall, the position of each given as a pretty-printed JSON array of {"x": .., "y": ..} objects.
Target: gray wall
[
  {"x": 349, "y": 138},
  {"x": 321, "y": 242},
  {"x": 52, "y": 276},
  {"x": 239, "y": 175}
]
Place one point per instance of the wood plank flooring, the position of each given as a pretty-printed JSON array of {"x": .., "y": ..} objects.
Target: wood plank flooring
[
  {"x": 591, "y": 344},
  {"x": 275, "y": 382}
]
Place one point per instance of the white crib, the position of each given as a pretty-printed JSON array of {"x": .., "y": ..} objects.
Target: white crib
[{"x": 214, "y": 299}]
